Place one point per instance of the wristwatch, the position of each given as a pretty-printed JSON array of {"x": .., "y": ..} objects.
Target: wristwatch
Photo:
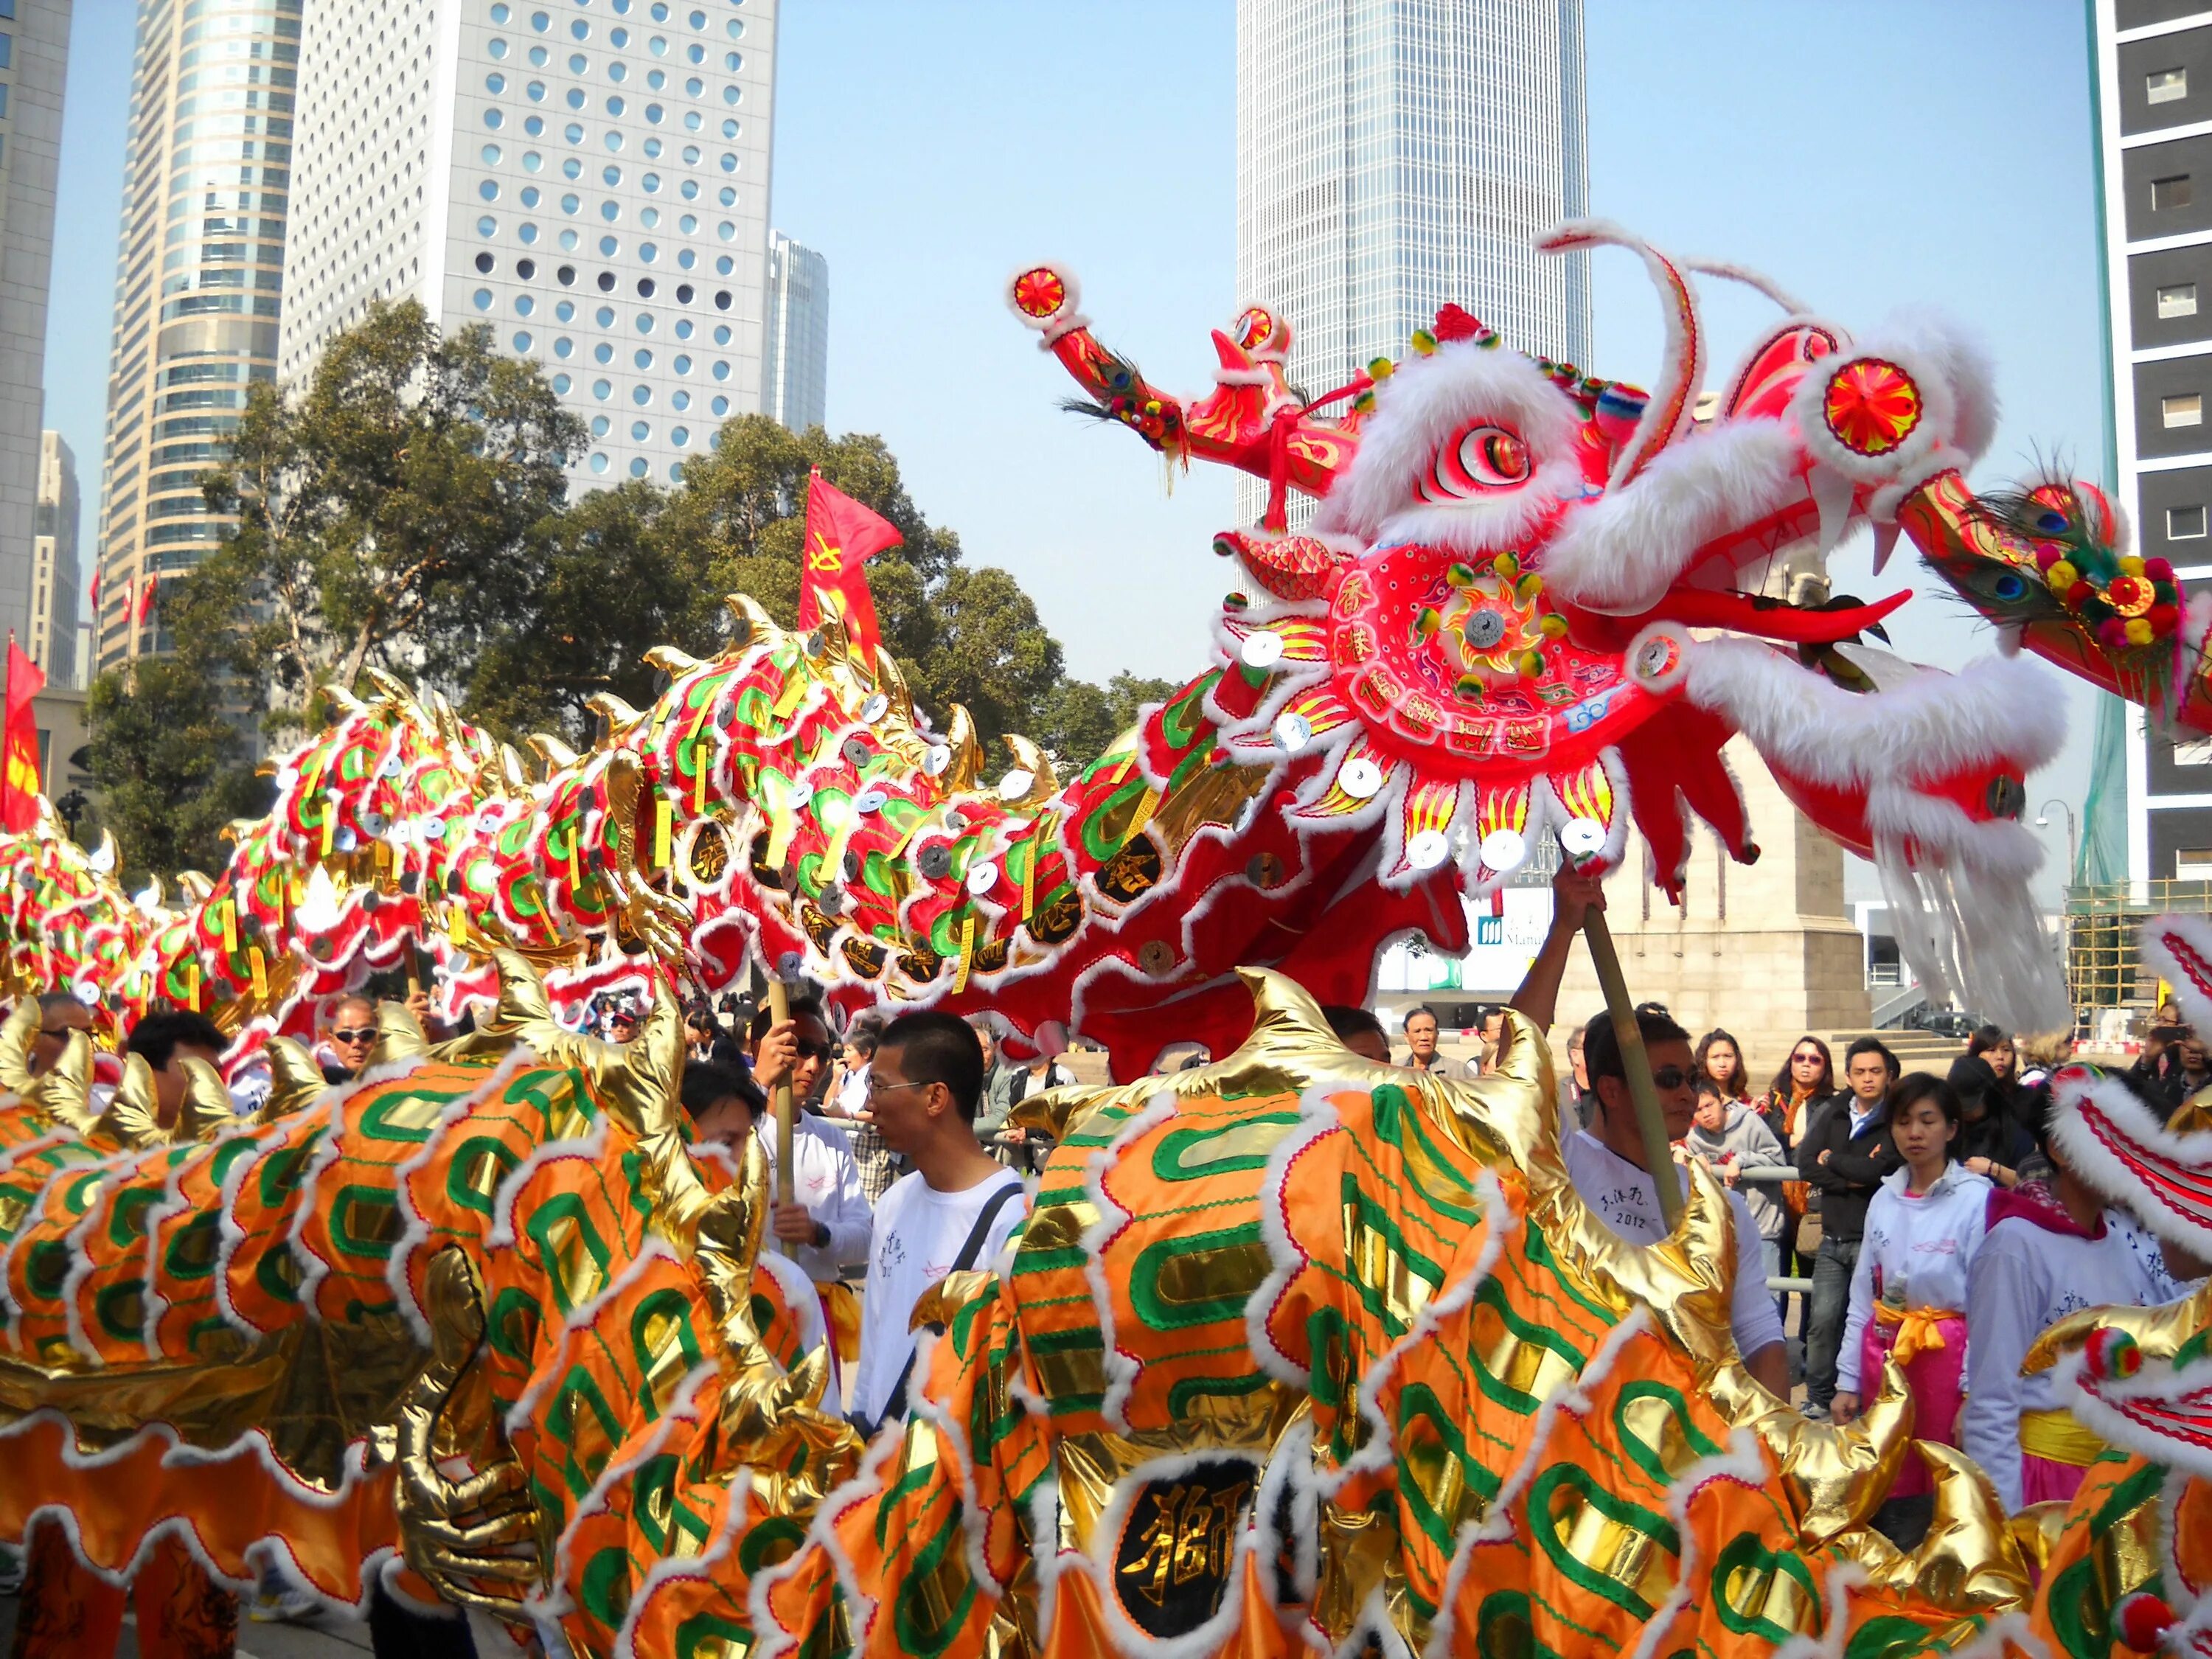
[{"x": 821, "y": 1237}]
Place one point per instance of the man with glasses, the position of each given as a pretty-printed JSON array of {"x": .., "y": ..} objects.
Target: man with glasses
[
  {"x": 349, "y": 1037},
  {"x": 1606, "y": 1162},
  {"x": 955, "y": 1211},
  {"x": 60, "y": 1014}
]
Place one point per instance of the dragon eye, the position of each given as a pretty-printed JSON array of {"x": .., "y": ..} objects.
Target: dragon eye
[{"x": 1480, "y": 456}]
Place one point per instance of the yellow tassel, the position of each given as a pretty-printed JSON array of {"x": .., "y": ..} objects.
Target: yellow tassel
[
  {"x": 455, "y": 932},
  {"x": 700, "y": 757},
  {"x": 1122, "y": 770},
  {"x": 966, "y": 955},
  {"x": 260, "y": 974},
  {"x": 794, "y": 688},
  {"x": 330, "y": 825},
  {"x": 664, "y": 824},
  {"x": 192, "y": 985},
  {"x": 576, "y": 863},
  {"x": 1038, "y": 842},
  {"x": 1141, "y": 817},
  {"x": 230, "y": 927}
]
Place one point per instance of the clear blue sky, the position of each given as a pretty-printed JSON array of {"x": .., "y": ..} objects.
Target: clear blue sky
[{"x": 1868, "y": 157}]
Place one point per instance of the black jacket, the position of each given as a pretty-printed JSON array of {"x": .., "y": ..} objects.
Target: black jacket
[{"x": 1856, "y": 1165}]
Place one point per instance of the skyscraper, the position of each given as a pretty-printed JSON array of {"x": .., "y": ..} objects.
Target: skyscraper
[
  {"x": 54, "y": 573},
  {"x": 589, "y": 177},
  {"x": 1394, "y": 154},
  {"x": 795, "y": 344},
  {"x": 2153, "y": 107},
  {"x": 33, "y": 60},
  {"x": 205, "y": 183}
]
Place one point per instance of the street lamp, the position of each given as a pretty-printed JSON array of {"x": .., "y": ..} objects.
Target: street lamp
[{"x": 2043, "y": 822}]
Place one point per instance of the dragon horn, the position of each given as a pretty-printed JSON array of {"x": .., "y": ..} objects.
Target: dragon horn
[
  {"x": 749, "y": 625},
  {"x": 615, "y": 716},
  {"x": 344, "y": 700},
  {"x": 195, "y": 887},
  {"x": 966, "y": 754},
  {"x": 15, "y": 1045},
  {"x": 63, "y": 1091},
  {"x": 1667, "y": 417},
  {"x": 106, "y": 857},
  {"x": 1045, "y": 781},
  {"x": 205, "y": 1109},
  {"x": 399, "y": 1036},
  {"x": 672, "y": 661},
  {"x": 555, "y": 753},
  {"x": 395, "y": 691},
  {"x": 512, "y": 768},
  {"x": 294, "y": 1078}
]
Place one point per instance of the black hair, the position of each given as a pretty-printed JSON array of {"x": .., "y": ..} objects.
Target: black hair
[
  {"x": 1785, "y": 1081},
  {"x": 1736, "y": 1085},
  {"x": 1986, "y": 1037},
  {"x": 1410, "y": 1012},
  {"x": 800, "y": 1007},
  {"x": 709, "y": 1082},
  {"x": 1867, "y": 1045},
  {"x": 865, "y": 1042},
  {"x": 1349, "y": 1023},
  {"x": 159, "y": 1034},
  {"x": 939, "y": 1047},
  {"x": 1601, "y": 1044},
  {"x": 51, "y": 1002},
  {"x": 1916, "y": 1086}
]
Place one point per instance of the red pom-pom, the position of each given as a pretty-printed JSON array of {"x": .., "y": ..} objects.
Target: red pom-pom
[
  {"x": 1456, "y": 323},
  {"x": 2079, "y": 595},
  {"x": 2141, "y": 1621},
  {"x": 2113, "y": 633},
  {"x": 2158, "y": 570},
  {"x": 2164, "y": 618}
]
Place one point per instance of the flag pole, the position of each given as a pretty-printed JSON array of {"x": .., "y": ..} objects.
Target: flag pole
[{"x": 1650, "y": 1120}]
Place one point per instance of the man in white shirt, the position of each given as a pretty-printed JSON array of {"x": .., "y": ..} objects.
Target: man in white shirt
[
  {"x": 1606, "y": 1162},
  {"x": 956, "y": 1211}
]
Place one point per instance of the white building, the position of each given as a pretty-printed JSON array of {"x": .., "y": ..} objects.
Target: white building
[
  {"x": 55, "y": 576},
  {"x": 589, "y": 177},
  {"x": 200, "y": 257},
  {"x": 795, "y": 346},
  {"x": 1395, "y": 155},
  {"x": 34, "y": 61}
]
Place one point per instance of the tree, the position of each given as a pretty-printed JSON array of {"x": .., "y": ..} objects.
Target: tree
[
  {"x": 1079, "y": 720},
  {"x": 169, "y": 765},
  {"x": 387, "y": 512}
]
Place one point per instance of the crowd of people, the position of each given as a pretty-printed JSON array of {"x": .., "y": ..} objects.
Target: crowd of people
[{"x": 1936, "y": 1226}]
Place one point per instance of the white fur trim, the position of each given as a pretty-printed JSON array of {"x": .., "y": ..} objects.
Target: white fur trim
[
  {"x": 1417, "y": 409},
  {"x": 1201, "y": 1639},
  {"x": 2090, "y": 1157},
  {"x": 592, "y": 1149},
  {"x": 1623, "y": 552},
  {"x": 414, "y": 1228},
  {"x": 700, "y": 1567},
  {"x": 1569, "y": 1394},
  {"x": 550, "y": 1365},
  {"x": 974, "y": 1524},
  {"x": 1065, "y": 320},
  {"x": 1741, "y": 1465},
  {"x": 2157, "y": 939},
  {"x": 2158, "y": 1383},
  {"x": 865, "y": 1486}
]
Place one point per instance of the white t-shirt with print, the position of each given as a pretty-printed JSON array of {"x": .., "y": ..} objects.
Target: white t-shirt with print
[
  {"x": 917, "y": 1238},
  {"x": 1625, "y": 1202}
]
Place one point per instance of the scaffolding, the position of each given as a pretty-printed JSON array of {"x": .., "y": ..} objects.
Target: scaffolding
[{"x": 2103, "y": 969}]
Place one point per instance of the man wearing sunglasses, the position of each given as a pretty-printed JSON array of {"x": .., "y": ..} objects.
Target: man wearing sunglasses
[
  {"x": 349, "y": 1037},
  {"x": 826, "y": 1225},
  {"x": 1606, "y": 1162},
  {"x": 60, "y": 1014}
]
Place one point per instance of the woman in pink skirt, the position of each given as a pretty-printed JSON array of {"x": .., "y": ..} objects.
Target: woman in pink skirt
[{"x": 1909, "y": 1292}]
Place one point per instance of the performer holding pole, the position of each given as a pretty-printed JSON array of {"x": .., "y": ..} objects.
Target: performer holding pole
[
  {"x": 1650, "y": 1120},
  {"x": 787, "y": 1108}
]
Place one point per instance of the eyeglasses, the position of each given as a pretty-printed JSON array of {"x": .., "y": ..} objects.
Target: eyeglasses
[
  {"x": 877, "y": 1088},
  {"x": 1805, "y": 1060},
  {"x": 1671, "y": 1076},
  {"x": 357, "y": 1034}
]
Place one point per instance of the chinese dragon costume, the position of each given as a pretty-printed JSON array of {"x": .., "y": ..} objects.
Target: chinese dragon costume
[{"x": 1294, "y": 1353}]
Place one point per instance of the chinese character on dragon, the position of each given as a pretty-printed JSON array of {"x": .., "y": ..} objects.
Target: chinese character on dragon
[{"x": 1294, "y": 1353}]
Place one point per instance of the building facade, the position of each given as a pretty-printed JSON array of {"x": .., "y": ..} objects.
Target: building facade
[
  {"x": 1395, "y": 155},
  {"x": 206, "y": 184},
  {"x": 54, "y": 573},
  {"x": 588, "y": 178},
  {"x": 33, "y": 64},
  {"x": 795, "y": 344}
]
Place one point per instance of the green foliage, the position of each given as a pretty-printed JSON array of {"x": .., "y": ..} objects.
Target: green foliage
[{"x": 408, "y": 509}]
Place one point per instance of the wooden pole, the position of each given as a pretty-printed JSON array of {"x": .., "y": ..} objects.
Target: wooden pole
[
  {"x": 1650, "y": 1121},
  {"x": 786, "y": 1109}
]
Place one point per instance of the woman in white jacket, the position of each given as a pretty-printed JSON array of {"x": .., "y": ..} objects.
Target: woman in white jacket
[{"x": 1909, "y": 1292}]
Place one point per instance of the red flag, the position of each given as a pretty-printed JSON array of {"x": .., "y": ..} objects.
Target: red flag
[
  {"x": 130, "y": 592},
  {"x": 841, "y": 536},
  {"x": 97, "y": 573},
  {"x": 146, "y": 597},
  {"x": 19, "y": 749}
]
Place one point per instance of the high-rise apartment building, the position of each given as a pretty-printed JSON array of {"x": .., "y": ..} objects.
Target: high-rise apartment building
[
  {"x": 34, "y": 62},
  {"x": 795, "y": 344},
  {"x": 1394, "y": 154},
  {"x": 54, "y": 573},
  {"x": 588, "y": 177},
  {"x": 2154, "y": 118},
  {"x": 207, "y": 173}
]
